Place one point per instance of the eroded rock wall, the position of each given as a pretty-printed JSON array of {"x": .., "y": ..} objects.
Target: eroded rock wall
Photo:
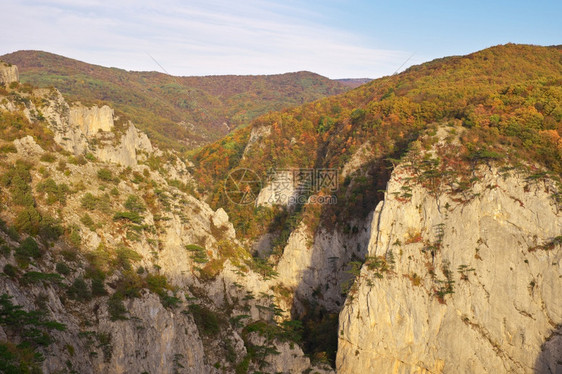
[{"x": 472, "y": 286}]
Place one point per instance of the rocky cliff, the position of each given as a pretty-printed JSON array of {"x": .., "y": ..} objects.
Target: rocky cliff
[
  {"x": 458, "y": 284},
  {"x": 120, "y": 267},
  {"x": 8, "y": 73},
  {"x": 91, "y": 120}
]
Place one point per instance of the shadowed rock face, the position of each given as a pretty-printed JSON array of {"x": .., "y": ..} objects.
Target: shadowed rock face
[
  {"x": 475, "y": 286},
  {"x": 550, "y": 358}
]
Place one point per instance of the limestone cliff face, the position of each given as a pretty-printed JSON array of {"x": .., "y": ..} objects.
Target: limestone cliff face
[
  {"x": 458, "y": 287},
  {"x": 91, "y": 120},
  {"x": 81, "y": 130},
  {"x": 150, "y": 335},
  {"x": 8, "y": 73},
  {"x": 154, "y": 339},
  {"x": 126, "y": 151},
  {"x": 316, "y": 266}
]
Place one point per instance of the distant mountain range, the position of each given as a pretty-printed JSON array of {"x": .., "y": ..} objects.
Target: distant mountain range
[
  {"x": 353, "y": 82},
  {"x": 175, "y": 111}
]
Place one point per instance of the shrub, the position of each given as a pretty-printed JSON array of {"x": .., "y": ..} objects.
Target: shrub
[
  {"x": 33, "y": 277},
  {"x": 125, "y": 256},
  {"x": 157, "y": 283},
  {"x": 212, "y": 269},
  {"x": 134, "y": 204},
  {"x": 8, "y": 148},
  {"x": 55, "y": 193},
  {"x": 98, "y": 288},
  {"x": 18, "y": 180},
  {"x": 62, "y": 268},
  {"x": 78, "y": 160},
  {"x": 105, "y": 175},
  {"x": 49, "y": 228},
  {"x": 88, "y": 222},
  {"x": 28, "y": 248},
  {"x": 28, "y": 220},
  {"x": 89, "y": 201},
  {"x": 207, "y": 321},
  {"x": 5, "y": 250},
  {"x": 10, "y": 230},
  {"x": 48, "y": 157},
  {"x": 130, "y": 284},
  {"x": 131, "y": 216},
  {"x": 169, "y": 301},
  {"x": 100, "y": 203},
  {"x": 198, "y": 254},
  {"x": 74, "y": 236},
  {"x": 116, "y": 308},
  {"x": 79, "y": 290},
  {"x": 32, "y": 329},
  {"x": 10, "y": 270}
]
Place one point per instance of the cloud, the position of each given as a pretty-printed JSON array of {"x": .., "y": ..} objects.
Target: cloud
[{"x": 195, "y": 37}]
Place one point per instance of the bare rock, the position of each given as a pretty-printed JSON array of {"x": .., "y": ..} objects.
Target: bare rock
[
  {"x": 8, "y": 73},
  {"x": 471, "y": 286}
]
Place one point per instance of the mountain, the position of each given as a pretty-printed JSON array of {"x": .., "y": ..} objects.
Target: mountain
[
  {"x": 174, "y": 111},
  {"x": 451, "y": 118},
  {"x": 353, "y": 82},
  {"x": 412, "y": 224}
]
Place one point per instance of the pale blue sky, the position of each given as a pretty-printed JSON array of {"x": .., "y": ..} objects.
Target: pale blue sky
[{"x": 335, "y": 38}]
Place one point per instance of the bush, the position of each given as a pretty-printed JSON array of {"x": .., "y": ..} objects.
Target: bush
[
  {"x": 207, "y": 321},
  {"x": 100, "y": 203},
  {"x": 134, "y": 204},
  {"x": 49, "y": 228},
  {"x": 55, "y": 193},
  {"x": 28, "y": 248},
  {"x": 131, "y": 216},
  {"x": 130, "y": 284},
  {"x": 18, "y": 180},
  {"x": 116, "y": 308},
  {"x": 198, "y": 254},
  {"x": 10, "y": 270},
  {"x": 79, "y": 290},
  {"x": 5, "y": 250},
  {"x": 89, "y": 201},
  {"x": 48, "y": 157},
  {"x": 125, "y": 256},
  {"x": 88, "y": 222},
  {"x": 62, "y": 268},
  {"x": 105, "y": 175},
  {"x": 33, "y": 277},
  {"x": 74, "y": 236},
  {"x": 98, "y": 288},
  {"x": 31, "y": 329},
  {"x": 28, "y": 220},
  {"x": 10, "y": 230}
]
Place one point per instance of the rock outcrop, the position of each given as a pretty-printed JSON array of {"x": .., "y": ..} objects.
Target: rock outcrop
[
  {"x": 316, "y": 266},
  {"x": 81, "y": 130},
  {"x": 91, "y": 120},
  {"x": 126, "y": 151},
  {"x": 8, "y": 73},
  {"x": 472, "y": 286}
]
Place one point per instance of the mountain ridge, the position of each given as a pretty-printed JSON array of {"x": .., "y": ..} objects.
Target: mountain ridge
[
  {"x": 441, "y": 228},
  {"x": 184, "y": 111}
]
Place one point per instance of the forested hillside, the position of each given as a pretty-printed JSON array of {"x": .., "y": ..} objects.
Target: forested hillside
[
  {"x": 505, "y": 99},
  {"x": 174, "y": 111}
]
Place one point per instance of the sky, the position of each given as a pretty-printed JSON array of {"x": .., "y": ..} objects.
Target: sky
[{"x": 334, "y": 38}]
